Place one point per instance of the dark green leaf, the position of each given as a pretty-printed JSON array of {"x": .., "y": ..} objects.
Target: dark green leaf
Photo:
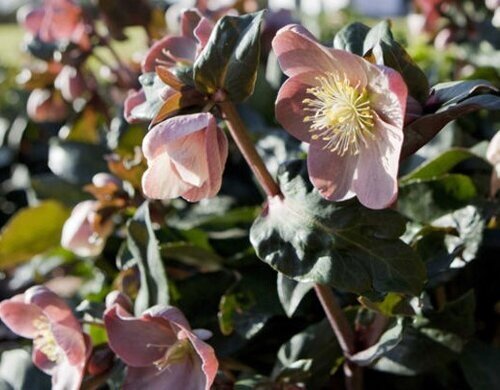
[
  {"x": 76, "y": 162},
  {"x": 448, "y": 101},
  {"x": 291, "y": 293},
  {"x": 49, "y": 186},
  {"x": 31, "y": 231},
  {"x": 425, "y": 200},
  {"x": 351, "y": 38},
  {"x": 480, "y": 363},
  {"x": 230, "y": 58},
  {"x": 193, "y": 255},
  {"x": 381, "y": 44},
  {"x": 344, "y": 244},
  {"x": 144, "y": 247}
]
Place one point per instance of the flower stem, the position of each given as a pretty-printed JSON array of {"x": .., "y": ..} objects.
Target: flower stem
[
  {"x": 333, "y": 311},
  {"x": 240, "y": 135}
]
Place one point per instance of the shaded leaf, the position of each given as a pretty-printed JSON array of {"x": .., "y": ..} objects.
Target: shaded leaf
[
  {"x": 351, "y": 38},
  {"x": 392, "y": 305},
  {"x": 343, "y": 244},
  {"x": 480, "y": 364},
  {"x": 291, "y": 293},
  {"x": 48, "y": 186},
  {"x": 230, "y": 58},
  {"x": 143, "y": 245},
  {"x": 31, "y": 231}
]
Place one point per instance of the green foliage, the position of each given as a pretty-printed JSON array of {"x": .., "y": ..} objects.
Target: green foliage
[
  {"x": 351, "y": 38},
  {"x": 230, "y": 58},
  {"x": 291, "y": 293},
  {"x": 31, "y": 231},
  {"x": 340, "y": 244}
]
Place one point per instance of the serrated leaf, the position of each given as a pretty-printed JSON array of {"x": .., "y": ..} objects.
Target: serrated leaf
[
  {"x": 351, "y": 38},
  {"x": 381, "y": 44},
  {"x": 425, "y": 200},
  {"x": 291, "y": 293},
  {"x": 448, "y": 101},
  {"x": 31, "y": 231},
  {"x": 343, "y": 244},
  {"x": 230, "y": 58},
  {"x": 143, "y": 245}
]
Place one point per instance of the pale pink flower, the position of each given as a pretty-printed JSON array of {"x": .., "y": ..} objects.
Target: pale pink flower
[
  {"x": 351, "y": 113},
  {"x": 160, "y": 349},
  {"x": 56, "y": 21},
  {"x": 79, "y": 234},
  {"x": 60, "y": 349},
  {"x": 186, "y": 157},
  {"x": 44, "y": 105},
  {"x": 493, "y": 156},
  {"x": 70, "y": 83}
]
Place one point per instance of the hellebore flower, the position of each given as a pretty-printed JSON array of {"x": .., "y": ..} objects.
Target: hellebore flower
[
  {"x": 45, "y": 105},
  {"x": 186, "y": 157},
  {"x": 70, "y": 83},
  {"x": 56, "y": 21},
  {"x": 79, "y": 234},
  {"x": 160, "y": 349},
  {"x": 60, "y": 349},
  {"x": 351, "y": 113},
  {"x": 493, "y": 156},
  {"x": 169, "y": 53}
]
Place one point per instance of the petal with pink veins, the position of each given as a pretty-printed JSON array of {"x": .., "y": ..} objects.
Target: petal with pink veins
[{"x": 19, "y": 317}]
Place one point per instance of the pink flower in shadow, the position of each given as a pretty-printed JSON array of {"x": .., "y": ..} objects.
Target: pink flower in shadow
[
  {"x": 160, "y": 349},
  {"x": 186, "y": 157},
  {"x": 351, "y": 113},
  {"x": 60, "y": 349},
  {"x": 56, "y": 21}
]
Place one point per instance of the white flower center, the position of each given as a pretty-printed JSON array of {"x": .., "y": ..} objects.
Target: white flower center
[
  {"x": 341, "y": 114},
  {"x": 45, "y": 341}
]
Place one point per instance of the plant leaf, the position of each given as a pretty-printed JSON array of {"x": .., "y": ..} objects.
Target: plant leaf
[
  {"x": 343, "y": 244},
  {"x": 291, "y": 293},
  {"x": 351, "y": 38},
  {"x": 230, "y": 58},
  {"x": 31, "y": 231},
  {"x": 143, "y": 245}
]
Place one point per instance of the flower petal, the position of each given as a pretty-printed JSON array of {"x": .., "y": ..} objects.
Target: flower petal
[
  {"x": 167, "y": 314},
  {"x": 168, "y": 50},
  {"x": 209, "y": 363},
  {"x": 331, "y": 173},
  {"x": 66, "y": 376},
  {"x": 137, "y": 341},
  {"x": 376, "y": 181},
  {"x": 134, "y": 99},
  {"x": 19, "y": 316}
]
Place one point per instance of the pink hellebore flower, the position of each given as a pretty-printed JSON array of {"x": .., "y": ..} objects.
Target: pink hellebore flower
[
  {"x": 160, "y": 349},
  {"x": 186, "y": 157},
  {"x": 351, "y": 113},
  {"x": 493, "y": 156},
  {"x": 79, "y": 235},
  {"x": 60, "y": 349},
  {"x": 44, "y": 105},
  {"x": 56, "y": 21}
]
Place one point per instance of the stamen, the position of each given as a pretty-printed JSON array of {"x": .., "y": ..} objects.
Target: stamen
[
  {"x": 174, "y": 354},
  {"x": 45, "y": 341},
  {"x": 341, "y": 114}
]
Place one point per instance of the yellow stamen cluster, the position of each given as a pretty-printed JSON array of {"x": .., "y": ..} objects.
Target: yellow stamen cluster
[
  {"x": 342, "y": 114},
  {"x": 174, "y": 354},
  {"x": 45, "y": 341}
]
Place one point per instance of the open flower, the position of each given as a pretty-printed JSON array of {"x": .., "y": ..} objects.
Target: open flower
[
  {"x": 186, "y": 157},
  {"x": 60, "y": 349},
  {"x": 56, "y": 21},
  {"x": 351, "y": 113},
  {"x": 160, "y": 349}
]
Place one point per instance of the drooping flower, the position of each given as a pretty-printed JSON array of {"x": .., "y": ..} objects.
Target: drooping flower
[
  {"x": 56, "y": 21},
  {"x": 350, "y": 111},
  {"x": 186, "y": 157},
  {"x": 160, "y": 349},
  {"x": 493, "y": 156},
  {"x": 60, "y": 349}
]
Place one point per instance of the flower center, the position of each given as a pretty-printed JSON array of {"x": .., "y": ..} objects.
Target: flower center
[
  {"x": 45, "y": 341},
  {"x": 174, "y": 354},
  {"x": 342, "y": 115}
]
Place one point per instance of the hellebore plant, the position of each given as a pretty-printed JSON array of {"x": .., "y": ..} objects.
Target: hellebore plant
[
  {"x": 160, "y": 349},
  {"x": 60, "y": 349},
  {"x": 350, "y": 111},
  {"x": 186, "y": 157}
]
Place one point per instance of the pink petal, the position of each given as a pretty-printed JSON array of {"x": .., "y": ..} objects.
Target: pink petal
[
  {"x": 43, "y": 362},
  {"x": 376, "y": 182},
  {"x": 116, "y": 297},
  {"x": 178, "y": 48},
  {"x": 167, "y": 314},
  {"x": 19, "y": 316},
  {"x": 137, "y": 341},
  {"x": 189, "y": 20},
  {"x": 31, "y": 19},
  {"x": 161, "y": 180},
  {"x": 134, "y": 99},
  {"x": 290, "y": 109},
  {"x": 203, "y": 31},
  {"x": 67, "y": 377},
  {"x": 331, "y": 173}
]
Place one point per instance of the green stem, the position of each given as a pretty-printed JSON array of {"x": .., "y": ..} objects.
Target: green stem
[{"x": 333, "y": 311}]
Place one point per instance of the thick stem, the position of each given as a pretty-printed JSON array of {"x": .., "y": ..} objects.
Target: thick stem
[
  {"x": 247, "y": 148},
  {"x": 333, "y": 311}
]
